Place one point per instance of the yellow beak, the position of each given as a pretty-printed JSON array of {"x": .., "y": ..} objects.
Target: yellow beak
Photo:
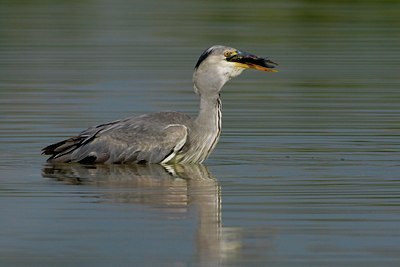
[{"x": 246, "y": 60}]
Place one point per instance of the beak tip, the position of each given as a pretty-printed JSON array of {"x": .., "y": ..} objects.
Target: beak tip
[{"x": 246, "y": 60}]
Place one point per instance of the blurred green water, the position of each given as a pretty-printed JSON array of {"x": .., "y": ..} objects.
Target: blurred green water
[{"x": 307, "y": 164}]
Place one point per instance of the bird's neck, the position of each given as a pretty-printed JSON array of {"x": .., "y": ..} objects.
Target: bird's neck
[{"x": 209, "y": 117}]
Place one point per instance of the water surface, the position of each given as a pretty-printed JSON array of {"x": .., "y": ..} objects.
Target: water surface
[{"x": 307, "y": 169}]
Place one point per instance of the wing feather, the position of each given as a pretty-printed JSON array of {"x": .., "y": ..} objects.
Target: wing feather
[{"x": 151, "y": 138}]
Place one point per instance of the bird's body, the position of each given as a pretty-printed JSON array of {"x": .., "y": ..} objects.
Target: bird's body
[{"x": 163, "y": 137}]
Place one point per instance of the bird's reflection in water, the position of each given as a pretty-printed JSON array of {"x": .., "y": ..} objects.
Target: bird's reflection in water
[{"x": 177, "y": 188}]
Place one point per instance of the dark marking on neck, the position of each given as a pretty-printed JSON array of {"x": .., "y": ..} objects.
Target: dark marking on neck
[{"x": 218, "y": 120}]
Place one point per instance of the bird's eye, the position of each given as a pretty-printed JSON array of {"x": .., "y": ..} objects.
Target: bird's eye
[{"x": 227, "y": 53}]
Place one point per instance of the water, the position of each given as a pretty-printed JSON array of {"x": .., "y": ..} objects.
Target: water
[{"x": 307, "y": 169}]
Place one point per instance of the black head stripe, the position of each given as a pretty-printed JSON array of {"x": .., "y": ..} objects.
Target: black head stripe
[{"x": 203, "y": 56}]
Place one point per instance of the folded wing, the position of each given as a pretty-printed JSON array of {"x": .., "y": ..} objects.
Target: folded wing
[{"x": 150, "y": 138}]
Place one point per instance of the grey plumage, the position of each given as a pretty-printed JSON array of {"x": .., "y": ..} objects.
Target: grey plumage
[{"x": 163, "y": 137}]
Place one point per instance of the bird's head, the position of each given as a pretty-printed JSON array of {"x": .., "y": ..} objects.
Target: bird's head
[{"x": 218, "y": 64}]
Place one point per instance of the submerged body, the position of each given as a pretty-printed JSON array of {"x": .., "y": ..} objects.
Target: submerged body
[{"x": 164, "y": 137}]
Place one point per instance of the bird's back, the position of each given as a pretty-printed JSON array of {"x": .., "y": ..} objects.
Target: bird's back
[{"x": 149, "y": 138}]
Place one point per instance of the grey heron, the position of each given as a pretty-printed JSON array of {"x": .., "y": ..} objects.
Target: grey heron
[{"x": 164, "y": 137}]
